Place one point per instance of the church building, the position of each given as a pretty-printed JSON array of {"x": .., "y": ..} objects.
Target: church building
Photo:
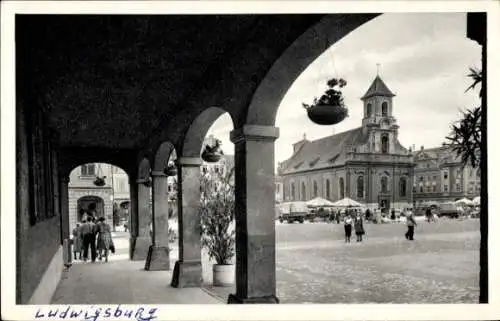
[{"x": 367, "y": 163}]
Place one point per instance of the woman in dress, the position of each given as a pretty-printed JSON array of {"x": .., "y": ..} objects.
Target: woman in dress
[
  {"x": 77, "y": 242},
  {"x": 348, "y": 227},
  {"x": 104, "y": 240},
  {"x": 358, "y": 227}
]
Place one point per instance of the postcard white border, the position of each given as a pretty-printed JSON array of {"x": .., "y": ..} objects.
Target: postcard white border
[{"x": 252, "y": 312}]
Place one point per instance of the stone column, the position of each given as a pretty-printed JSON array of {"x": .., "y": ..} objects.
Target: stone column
[
  {"x": 143, "y": 239},
  {"x": 255, "y": 223},
  {"x": 133, "y": 217},
  {"x": 158, "y": 255},
  {"x": 187, "y": 270},
  {"x": 64, "y": 198}
]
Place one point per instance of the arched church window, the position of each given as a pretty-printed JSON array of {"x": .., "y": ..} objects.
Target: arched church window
[
  {"x": 303, "y": 191},
  {"x": 368, "y": 110},
  {"x": 402, "y": 187},
  {"x": 385, "y": 144},
  {"x": 385, "y": 109},
  {"x": 293, "y": 191},
  {"x": 341, "y": 188},
  {"x": 361, "y": 186},
  {"x": 383, "y": 184},
  {"x": 327, "y": 188},
  {"x": 315, "y": 188}
]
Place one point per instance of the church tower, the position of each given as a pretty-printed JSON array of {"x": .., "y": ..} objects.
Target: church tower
[{"x": 378, "y": 122}]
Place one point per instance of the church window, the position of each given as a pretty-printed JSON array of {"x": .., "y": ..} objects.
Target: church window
[
  {"x": 88, "y": 170},
  {"x": 368, "y": 110},
  {"x": 383, "y": 183},
  {"x": 293, "y": 191},
  {"x": 428, "y": 189},
  {"x": 303, "y": 191},
  {"x": 445, "y": 175},
  {"x": 414, "y": 189},
  {"x": 327, "y": 189},
  {"x": 421, "y": 178},
  {"x": 385, "y": 144},
  {"x": 434, "y": 188},
  {"x": 315, "y": 188},
  {"x": 341, "y": 188},
  {"x": 445, "y": 187},
  {"x": 458, "y": 187},
  {"x": 421, "y": 189},
  {"x": 385, "y": 109},
  {"x": 402, "y": 187},
  {"x": 361, "y": 186}
]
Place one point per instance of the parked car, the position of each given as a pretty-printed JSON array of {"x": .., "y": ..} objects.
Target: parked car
[{"x": 450, "y": 210}]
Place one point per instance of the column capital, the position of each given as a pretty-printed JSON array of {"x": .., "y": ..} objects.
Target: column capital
[
  {"x": 189, "y": 161},
  {"x": 141, "y": 180},
  {"x": 254, "y": 133},
  {"x": 158, "y": 174}
]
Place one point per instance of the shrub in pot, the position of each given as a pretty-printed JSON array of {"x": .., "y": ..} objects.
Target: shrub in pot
[
  {"x": 217, "y": 215},
  {"x": 329, "y": 109}
]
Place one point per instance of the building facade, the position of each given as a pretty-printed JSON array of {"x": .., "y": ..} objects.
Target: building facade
[{"x": 368, "y": 164}]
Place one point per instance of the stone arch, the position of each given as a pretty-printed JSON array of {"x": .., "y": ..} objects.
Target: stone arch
[
  {"x": 163, "y": 156},
  {"x": 90, "y": 205},
  {"x": 294, "y": 60},
  {"x": 195, "y": 135}
]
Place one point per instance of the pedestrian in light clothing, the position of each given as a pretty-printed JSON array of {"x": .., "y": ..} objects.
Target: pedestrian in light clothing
[
  {"x": 104, "y": 240},
  {"x": 348, "y": 227},
  {"x": 411, "y": 223}
]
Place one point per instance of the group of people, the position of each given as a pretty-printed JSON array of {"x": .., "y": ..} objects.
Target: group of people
[
  {"x": 354, "y": 218},
  {"x": 93, "y": 234}
]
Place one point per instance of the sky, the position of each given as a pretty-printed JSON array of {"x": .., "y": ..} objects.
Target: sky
[{"x": 424, "y": 59}]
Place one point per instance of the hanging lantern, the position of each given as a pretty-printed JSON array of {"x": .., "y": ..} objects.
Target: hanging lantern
[
  {"x": 329, "y": 109},
  {"x": 170, "y": 170},
  {"x": 212, "y": 154},
  {"x": 99, "y": 178}
]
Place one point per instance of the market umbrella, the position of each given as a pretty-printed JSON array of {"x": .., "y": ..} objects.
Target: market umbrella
[
  {"x": 465, "y": 201},
  {"x": 476, "y": 200},
  {"x": 319, "y": 202},
  {"x": 347, "y": 202}
]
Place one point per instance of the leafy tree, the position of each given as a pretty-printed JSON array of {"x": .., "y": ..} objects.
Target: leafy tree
[
  {"x": 465, "y": 136},
  {"x": 217, "y": 214}
]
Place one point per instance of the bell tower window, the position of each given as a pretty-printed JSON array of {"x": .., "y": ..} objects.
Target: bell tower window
[
  {"x": 385, "y": 144},
  {"x": 385, "y": 109},
  {"x": 368, "y": 110}
]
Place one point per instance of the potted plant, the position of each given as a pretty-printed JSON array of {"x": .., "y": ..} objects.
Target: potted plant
[
  {"x": 329, "y": 109},
  {"x": 99, "y": 181},
  {"x": 147, "y": 182},
  {"x": 217, "y": 215},
  {"x": 212, "y": 154}
]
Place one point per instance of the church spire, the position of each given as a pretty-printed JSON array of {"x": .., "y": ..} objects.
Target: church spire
[{"x": 378, "y": 88}]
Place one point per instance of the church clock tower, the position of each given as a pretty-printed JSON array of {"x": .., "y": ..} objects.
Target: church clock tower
[{"x": 378, "y": 122}]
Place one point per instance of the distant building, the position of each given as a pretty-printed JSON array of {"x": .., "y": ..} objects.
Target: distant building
[
  {"x": 368, "y": 164},
  {"x": 440, "y": 176}
]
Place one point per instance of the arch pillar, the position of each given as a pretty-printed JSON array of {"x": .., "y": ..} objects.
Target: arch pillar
[
  {"x": 254, "y": 212},
  {"x": 158, "y": 258},
  {"x": 188, "y": 269},
  {"x": 65, "y": 232},
  {"x": 143, "y": 239}
]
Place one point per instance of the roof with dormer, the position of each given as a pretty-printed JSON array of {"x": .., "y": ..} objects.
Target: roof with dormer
[
  {"x": 323, "y": 152},
  {"x": 378, "y": 88}
]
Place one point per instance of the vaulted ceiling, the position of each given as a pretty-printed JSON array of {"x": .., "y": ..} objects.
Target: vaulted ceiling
[{"x": 115, "y": 81}]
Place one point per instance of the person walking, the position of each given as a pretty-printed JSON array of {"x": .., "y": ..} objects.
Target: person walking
[
  {"x": 411, "y": 223},
  {"x": 104, "y": 239},
  {"x": 348, "y": 227},
  {"x": 358, "y": 227},
  {"x": 77, "y": 242},
  {"x": 88, "y": 234}
]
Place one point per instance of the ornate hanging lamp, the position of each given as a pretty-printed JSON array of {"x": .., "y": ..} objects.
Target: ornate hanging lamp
[
  {"x": 99, "y": 178},
  {"x": 212, "y": 154},
  {"x": 329, "y": 109}
]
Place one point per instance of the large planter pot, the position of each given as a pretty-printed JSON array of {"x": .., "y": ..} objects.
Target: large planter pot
[
  {"x": 99, "y": 181},
  {"x": 170, "y": 170},
  {"x": 223, "y": 274},
  {"x": 211, "y": 157},
  {"x": 326, "y": 114}
]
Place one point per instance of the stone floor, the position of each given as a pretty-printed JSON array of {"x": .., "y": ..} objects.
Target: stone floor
[
  {"x": 314, "y": 265},
  {"x": 121, "y": 281}
]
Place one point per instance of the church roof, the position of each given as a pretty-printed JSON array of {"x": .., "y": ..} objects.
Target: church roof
[
  {"x": 378, "y": 88},
  {"x": 323, "y": 152}
]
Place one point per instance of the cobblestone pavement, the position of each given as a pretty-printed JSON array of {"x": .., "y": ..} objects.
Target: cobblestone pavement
[{"x": 314, "y": 265}]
